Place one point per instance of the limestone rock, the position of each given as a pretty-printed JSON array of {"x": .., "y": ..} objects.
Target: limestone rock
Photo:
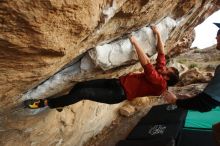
[
  {"x": 127, "y": 110},
  {"x": 53, "y": 33},
  {"x": 193, "y": 76},
  {"x": 43, "y": 44},
  {"x": 142, "y": 101}
]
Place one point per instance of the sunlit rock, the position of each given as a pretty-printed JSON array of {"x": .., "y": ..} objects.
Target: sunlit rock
[
  {"x": 127, "y": 110},
  {"x": 42, "y": 48}
]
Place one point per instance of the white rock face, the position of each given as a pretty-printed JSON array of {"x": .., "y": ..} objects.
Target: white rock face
[
  {"x": 86, "y": 64},
  {"x": 105, "y": 56},
  {"x": 55, "y": 84}
]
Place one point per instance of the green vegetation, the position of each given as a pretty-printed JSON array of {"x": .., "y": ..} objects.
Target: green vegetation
[
  {"x": 182, "y": 61},
  {"x": 193, "y": 65}
]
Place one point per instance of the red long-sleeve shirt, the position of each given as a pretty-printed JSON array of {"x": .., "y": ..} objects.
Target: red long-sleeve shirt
[{"x": 148, "y": 83}]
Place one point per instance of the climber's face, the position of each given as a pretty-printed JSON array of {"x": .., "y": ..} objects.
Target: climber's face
[{"x": 218, "y": 42}]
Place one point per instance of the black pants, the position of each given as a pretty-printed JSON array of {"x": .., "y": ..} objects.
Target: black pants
[{"x": 107, "y": 91}]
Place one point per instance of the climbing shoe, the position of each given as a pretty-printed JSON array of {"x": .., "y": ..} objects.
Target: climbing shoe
[{"x": 35, "y": 103}]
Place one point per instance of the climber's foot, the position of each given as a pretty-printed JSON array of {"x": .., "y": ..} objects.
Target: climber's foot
[{"x": 35, "y": 103}]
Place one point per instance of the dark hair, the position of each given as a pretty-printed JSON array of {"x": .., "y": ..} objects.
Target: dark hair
[{"x": 174, "y": 77}]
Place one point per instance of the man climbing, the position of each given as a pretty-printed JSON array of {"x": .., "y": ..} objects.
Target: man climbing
[
  {"x": 209, "y": 98},
  {"x": 153, "y": 81}
]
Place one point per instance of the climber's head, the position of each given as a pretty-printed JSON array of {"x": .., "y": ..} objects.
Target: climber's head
[{"x": 170, "y": 74}]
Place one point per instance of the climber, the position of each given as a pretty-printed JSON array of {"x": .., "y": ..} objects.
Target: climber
[
  {"x": 153, "y": 81},
  {"x": 208, "y": 99}
]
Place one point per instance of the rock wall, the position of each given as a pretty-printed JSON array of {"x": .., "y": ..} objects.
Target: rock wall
[
  {"x": 43, "y": 52},
  {"x": 53, "y": 33}
]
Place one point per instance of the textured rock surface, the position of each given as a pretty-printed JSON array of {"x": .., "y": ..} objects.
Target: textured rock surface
[
  {"x": 110, "y": 137},
  {"x": 52, "y": 33},
  {"x": 193, "y": 76},
  {"x": 39, "y": 38},
  {"x": 127, "y": 110}
]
